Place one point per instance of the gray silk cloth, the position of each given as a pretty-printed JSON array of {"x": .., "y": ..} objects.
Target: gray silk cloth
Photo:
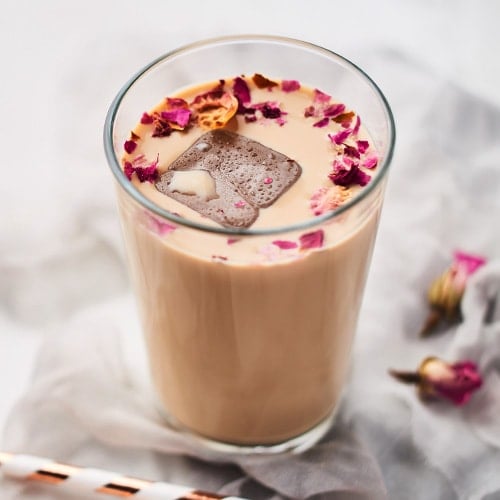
[{"x": 85, "y": 404}]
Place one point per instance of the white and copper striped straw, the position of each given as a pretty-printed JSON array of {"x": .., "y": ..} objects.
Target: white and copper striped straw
[{"x": 83, "y": 480}]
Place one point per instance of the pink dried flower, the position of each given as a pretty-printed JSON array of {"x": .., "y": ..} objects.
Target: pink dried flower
[
  {"x": 179, "y": 116},
  {"x": 437, "y": 379},
  {"x": 240, "y": 204},
  {"x": 270, "y": 110},
  {"x": 268, "y": 180},
  {"x": 314, "y": 239},
  {"x": 322, "y": 123},
  {"x": 129, "y": 146},
  {"x": 321, "y": 97},
  {"x": 327, "y": 199},
  {"x": 232, "y": 241},
  {"x": 351, "y": 151},
  {"x": 143, "y": 170},
  {"x": 310, "y": 111},
  {"x": 355, "y": 130},
  {"x": 241, "y": 90},
  {"x": 370, "y": 162},
  {"x": 290, "y": 85},
  {"x": 284, "y": 244},
  {"x": 445, "y": 293},
  {"x": 348, "y": 175},
  {"x": 159, "y": 226},
  {"x": 334, "y": 110},
  {"x": 146, "y": 119},
  {"x": 340, "y": 136},
  {"x": 363, "y": 146},
  {"x": 263, "y": 82}
]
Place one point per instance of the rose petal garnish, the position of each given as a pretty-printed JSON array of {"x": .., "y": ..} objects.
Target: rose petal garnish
[
  {"x": 240, "y": 204},
  {"x": 250, "y": 118},
  {"x": 178, "y": 116},
  {"x": 214, "y": 109},
  {"x": 355, "y": 130},
  {"x": 314, "y": 239},
  {"x": 262, "y": 82},
  {"x": 328, "y": 199},
  {"x": 321, "y": 97},
  {"x": 176, "y": 103},
  {"x": 436, "y": 379},
  {"x": 310, "y": 111},
  {"x": 334, "y": 110},
  {"x": 322, "y": 123},
  {"x": 146, "y": 119},
  {"x": 219, "y": 258},
  {"x": 340, "y": 136},
  {"x": 232, "y": 241},
  {"x": 145, "y": 172},
  {"x": 344, "y": 175},
  {"x": 162, "y": 127},
  {"x": 370, "y": 162},
  {"x": 290, "y": 85},
  {"x": 241, "y": 90},
  {"x": 129, "y": 146},
  {"x": 284, "y": 244},
  {"x": 445, "y": 293},
  {"x": 158, "y": 226},
  {"x": 344, "y": 119},
  {"x": 351, "y": 151},
  {"x": 269, "y": 110},
  {"x": 363, "y": 146}
]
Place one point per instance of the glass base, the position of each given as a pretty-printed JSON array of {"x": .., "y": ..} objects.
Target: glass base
[{"x": 295, "y": 445}]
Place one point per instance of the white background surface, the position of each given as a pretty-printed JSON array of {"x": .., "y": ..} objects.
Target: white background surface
[{"x": 62, "y": 63}]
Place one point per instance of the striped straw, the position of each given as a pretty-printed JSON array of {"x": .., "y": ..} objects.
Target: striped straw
[{"x": 82, "y": 480}]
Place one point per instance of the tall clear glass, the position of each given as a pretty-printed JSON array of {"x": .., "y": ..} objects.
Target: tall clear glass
[{"x": 249, "y": 356}]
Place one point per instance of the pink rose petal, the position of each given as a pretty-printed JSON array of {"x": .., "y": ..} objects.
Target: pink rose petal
[
  {"x": 129, "y": 146},
  {"x": 334, "y": 110},
  {"x": 314, "y": 239},
  {"x": 180, "y": 116},
  {"x": 348, "y": 175},
  {"x": 321, "y": 97},
  {"x": 355, "y": 130},
  {"x": 362, "y": 146},
  {"x": 146, "y": 119},
  {"x": 341, "y": 136},
  {"x": 370, "y": 162},
  {"x": 468, "y": 262},
  {"x": 284, "y": 244},
  {"x": 241, "y": 90},
  {"x": 322, "y": 123},
  {"x": 351, "y": 151},
  {"x": 290, "y": 85}
]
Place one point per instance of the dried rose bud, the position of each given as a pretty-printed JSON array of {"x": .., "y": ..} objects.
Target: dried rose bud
[
  {"x": 436, "y": 379},
  {"x": 446, "y": 292}
]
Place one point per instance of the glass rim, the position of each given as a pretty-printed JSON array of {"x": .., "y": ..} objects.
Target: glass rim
[{"x": 115, "y": 163}]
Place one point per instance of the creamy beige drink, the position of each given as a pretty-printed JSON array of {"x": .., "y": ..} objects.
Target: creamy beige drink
[{"x": 249, "y": 336}]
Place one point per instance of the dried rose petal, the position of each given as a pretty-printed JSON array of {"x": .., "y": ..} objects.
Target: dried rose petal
[
  {"x": 345, "y": 119},
  {"x": 270, "y": 110},
  {"x": 370, "y": 162},
  {"x": 241, "y": 90},
  {"x": 146, "y": 119},
  {"x": 351, "y": 151},
  {"x": 355, "y": 130},
  {"x": 290, "y": 85},
  {"x": 240, "y": 204},
  {"x": 363, "y": 146},
  {"x": 143, "y": 170},
  {"x": 129, "y": 146},
  {"x": 232, "y": 241},
  {"x": 334, "y": 110},
  {"x": 262, "y": 82},
  {"x": 312, "y": 240},
  {"x": 178, "y": 116},
  {"x": 176, "y": 103},
  {"x": 343, "y": 175},
  {"x": 219, "y": 258},
  {"x": 158, "y": 226},
  {"x": 214, "y": 109},
  {"x": 310, "y": 111},
  {"x": 322, "y": 123},
  {"x": 162, "y": 127},
  {"x": 328, "y": 199},
  {"x": 250, "y": 119},
  {"x": 445, "y": 293},
  {"x": 321, "y": 97},
  {"x": 340, "y": 136},
  {"x": 285, "y": 244},
  {"x": 437, "y": 379}
]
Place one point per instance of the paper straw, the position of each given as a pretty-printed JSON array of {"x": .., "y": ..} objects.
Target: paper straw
[{"x": 84, "y": 480}]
